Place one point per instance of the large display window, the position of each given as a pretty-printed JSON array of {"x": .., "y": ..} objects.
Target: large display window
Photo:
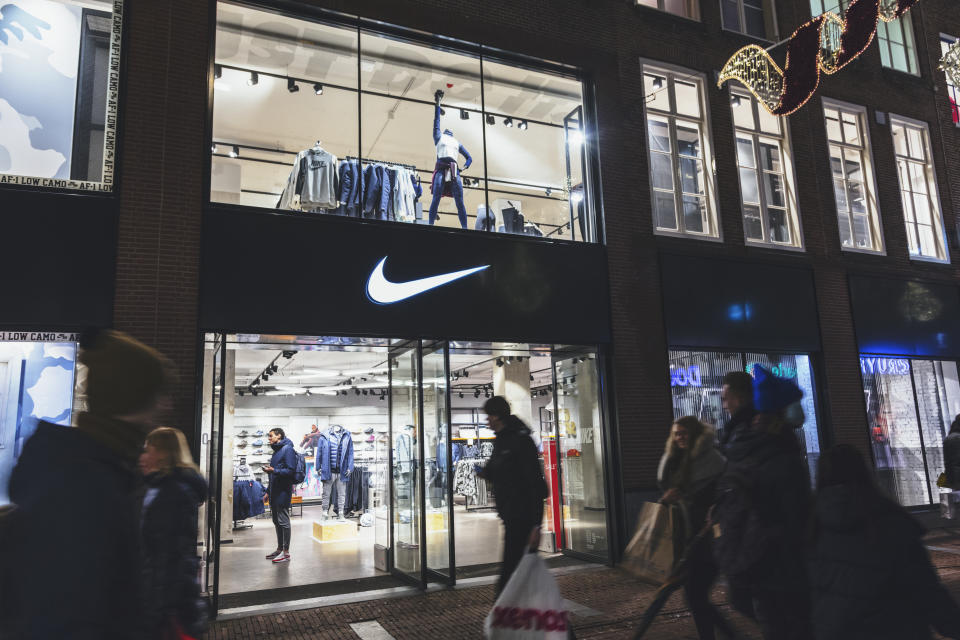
[
  {"x": 910, "y": 405},
  {"x": 59, "y": 85},
  {"x": 411, "y": 414},
  {"x": 338, "y": 119},
  {"x": 696, "y": 383}
]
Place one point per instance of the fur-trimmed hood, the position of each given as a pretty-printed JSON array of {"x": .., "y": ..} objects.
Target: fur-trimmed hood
[
  {"x": 706, "y": 441},
  {"x": 706, "y": 460}
]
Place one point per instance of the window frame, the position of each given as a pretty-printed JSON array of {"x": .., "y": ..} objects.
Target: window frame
[
  {"x": 111, "y": 129},
  {"x": 672, "y": 72},
  {"x": 769, "y": 21},
  {"x": 953, "y": 91},
  {"x": 870, "y": 183},
  {"x": 933, "y": 193},
  {"x": 884, "y": 42},
  {"x": 661, "y": 7},
  {"x": 789, "y": 177}
]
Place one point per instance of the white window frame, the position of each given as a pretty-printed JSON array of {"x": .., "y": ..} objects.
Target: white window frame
[
  {"x": 904, "y": 22},
  {"x": 933, "y": 193},
  {"x": 661, "y": 6},
  {"x": 789, "y": 176},
  {"x": 869, "y": 181},
  {"x": 953, "y": 91},
  {"x": 770, "y": 31},
  {"x": 672, "y": 72}
]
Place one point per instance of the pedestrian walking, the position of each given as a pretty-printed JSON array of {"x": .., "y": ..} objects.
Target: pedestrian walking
[
  {"x": 688, "y": 474},
  {"x": 737, "y": 397},
  {"x": 518, "y": 484},
  {"x": 870, "y": 573},
  {"x": 951, "y": 455},
  {"x": 761, "y": 514},
  {"x": 75, "y": 532},
  {"x": 282, "y": 468},
  {"x": 174, "y": 490}
]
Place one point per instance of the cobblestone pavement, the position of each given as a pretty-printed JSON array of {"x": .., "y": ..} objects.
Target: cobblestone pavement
[{"x": 608, "y": 604}]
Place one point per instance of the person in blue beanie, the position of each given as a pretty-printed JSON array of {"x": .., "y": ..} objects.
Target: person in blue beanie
[{"x": 763, "y": 506}]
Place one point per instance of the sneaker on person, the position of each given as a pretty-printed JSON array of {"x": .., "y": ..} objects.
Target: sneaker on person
[
  {"x": 271, "y": 556},
  {"x": 282, "y": 557}
]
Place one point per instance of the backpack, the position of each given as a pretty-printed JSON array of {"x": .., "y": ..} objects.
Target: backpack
[
  {"x": 300, "y": 473},
  {"x": 741, "y": 537}
]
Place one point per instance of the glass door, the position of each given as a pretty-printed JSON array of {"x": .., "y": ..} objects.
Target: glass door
[
  {"x": 437, "y": 480},
  {"x": 579, "y": 436},
  {"x": 407, "y": 476},
  {"x": 211, "y": 423}
]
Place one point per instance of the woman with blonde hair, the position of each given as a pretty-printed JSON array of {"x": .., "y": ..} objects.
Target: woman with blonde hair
[
  {"x": 168, "y": 525},
  {"x": 688, "y": 474}
]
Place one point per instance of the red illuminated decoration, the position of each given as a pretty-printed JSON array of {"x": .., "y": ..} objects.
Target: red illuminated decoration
[{"x": 826, "y": 44}]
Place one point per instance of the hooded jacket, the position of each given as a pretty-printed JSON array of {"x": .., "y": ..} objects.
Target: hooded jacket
[
  {"x": 514, "y": 469},
  {"x": 951, "y": 460},
  {"x": 737, "y": 424},
  {"x": 77, "y": 565},
  {"x": 284, "y": 463},
  {"x": 870, "y": 574},
  {"x": 697, "y": 490},
  {"x": 169, "y": 550}
]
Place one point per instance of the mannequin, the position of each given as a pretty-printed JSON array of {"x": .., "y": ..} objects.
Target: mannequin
[
  {"x": 446, "y": 174},
  {"x": 335, "y": 462}
]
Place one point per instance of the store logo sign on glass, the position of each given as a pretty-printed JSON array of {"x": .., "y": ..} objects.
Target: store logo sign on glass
[{"x": 383, "y": 291}]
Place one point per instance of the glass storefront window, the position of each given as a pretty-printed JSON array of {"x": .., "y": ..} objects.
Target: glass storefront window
[
  {"x": 358, "y": 136},
  {"x": 910, "y": 405},
  {"x": 696, "y": 382},
  {"x": 59, "y": 87}
]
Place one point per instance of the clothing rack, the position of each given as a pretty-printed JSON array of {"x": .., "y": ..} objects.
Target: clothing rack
[{"x": 372, "y": 161}]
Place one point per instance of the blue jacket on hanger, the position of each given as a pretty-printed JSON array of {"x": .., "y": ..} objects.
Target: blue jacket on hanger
[
  {"x": 351, "y": 183},
  {"x": 322, "y": 455}
]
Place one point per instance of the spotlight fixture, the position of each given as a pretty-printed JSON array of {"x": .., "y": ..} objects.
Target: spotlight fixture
[
  {"x": 486, "y": 394},
  {"x": 466, "y": 374},
  {"x": 657, "y": 82},
  {"x": 234, "y": 152},
  {"x": 254, "y": 392},
  {"x": 548, "y": 191},
  {"x": 241, "y": 392},
  {"x": 491, "y": 120},
  {"x": 265, "y": 376},
  {"x": 382, "y": 395},
  {"x": 253, "y": 79},
  {"x": 531, "y": 377},
  {"x": 460, "y": 394},
  {"x": 292, "y": 85},
  {"x": 273, "y": 368},
  {"x": 289, "y": 354},
  {"x": 318, "y": 88},
  {"x": 736, "y": 100},
  {"x": 476, "y": 393},
  {"x": 213, "y": 148},
  {"x": 508, "y": 122},
  {"x": 364, "y": 392},
  {"x": 499, "y": 362},
  {"x": 217, "y": 72},
  {"x": 464, "y": 114},
  {"x": 522, "y": 125},
  {"x": 356, "y": 391}
]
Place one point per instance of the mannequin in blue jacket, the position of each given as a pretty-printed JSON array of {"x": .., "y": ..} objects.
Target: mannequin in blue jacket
[{"x": 448, "y": 149}]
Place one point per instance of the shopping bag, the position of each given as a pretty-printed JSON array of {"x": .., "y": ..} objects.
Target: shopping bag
[
  {"x": 530, "y": 605},
  {"x": 948, "y": 505},
  {"x": 652, "y": 551},
  {"x": 942, "y": 479}
]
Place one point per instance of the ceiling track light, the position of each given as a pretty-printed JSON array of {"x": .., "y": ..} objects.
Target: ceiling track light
[
  {"x": 522, "y": 125},
  {"x": 491, "y": 120},
  {"x": 217, "y": 72},
  {"x": 657, "y": 82},
  {"x": 234, "y": 152},
  {"x": 508, "y": 122},
  {"x": 736, "y": 100},
  {"x": 292, "y": 85},
  {"x": 548, "y": 191},
  {"x": 318, "y": 88},
  {"x": 464, "y": 114},
  {"x": 213, "y": 148},
  {"x": 253, "y": 79}
]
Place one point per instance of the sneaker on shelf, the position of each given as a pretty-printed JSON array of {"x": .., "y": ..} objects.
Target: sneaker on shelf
[
  {"x": 242, "y": 434},
  {"x": 258, "y": 452},
  {"x": 271, "y": 556},
  {"x": 259, "y": 433},
  {"x": 258, "y": 443},
  {"x": 241, "y": 444},
  {"x": 283, "y": 557}
]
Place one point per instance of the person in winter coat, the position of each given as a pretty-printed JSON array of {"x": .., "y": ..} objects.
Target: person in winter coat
[
  {"x": 870, "y": 574},
  {"x": 282, "y": 467},
  {"x": 687, "y": 474},
  {"x": 951, "y": 455},
  {"x": 737, "y": 397},
  {"x": 765, "y": 466},
  {"x": 75, "y": 534},
  {"x": 168, "y": 528},
  {"x": 518, "y": 484}
]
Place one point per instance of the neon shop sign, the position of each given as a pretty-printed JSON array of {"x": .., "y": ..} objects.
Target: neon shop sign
[
  {"x": 779, "y": 370},
  {"x": 685, "y": 376},
  {"x": 885, "y": 366}
]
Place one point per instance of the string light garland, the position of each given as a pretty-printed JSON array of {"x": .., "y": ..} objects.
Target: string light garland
[
  {"x": 950, "y": 63},
  {"x": 825, "y": 44}
]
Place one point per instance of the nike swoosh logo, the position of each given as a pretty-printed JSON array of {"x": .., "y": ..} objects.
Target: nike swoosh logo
[{"x": 382, "y": 291}]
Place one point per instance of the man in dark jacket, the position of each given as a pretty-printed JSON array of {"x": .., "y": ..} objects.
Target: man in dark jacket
[
  {"x": 737, "y": 397},
  {"x": 76, "y": 562},
  {"x": 282, "y": 467},
  {"x": 518, "y": 484}
]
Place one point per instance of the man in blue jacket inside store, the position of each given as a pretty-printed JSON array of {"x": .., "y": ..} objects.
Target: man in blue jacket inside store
[{"x": 282, "y": 467}]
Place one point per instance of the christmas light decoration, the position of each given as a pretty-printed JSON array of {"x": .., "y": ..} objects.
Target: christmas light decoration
[
  {"x": 950, "y": 63},
  {"x": 825, "y": 44}
]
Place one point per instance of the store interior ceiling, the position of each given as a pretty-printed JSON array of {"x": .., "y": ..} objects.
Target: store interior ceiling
[{"x": 267, "y": 114}]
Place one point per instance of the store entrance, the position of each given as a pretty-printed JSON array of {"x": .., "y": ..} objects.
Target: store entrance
[{"x": 406, "y": 422}]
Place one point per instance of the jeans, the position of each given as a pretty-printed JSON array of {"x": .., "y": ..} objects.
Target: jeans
[
  {"x": 456, "y": 187},
  {"x": 281, "y": 522},
  {"x": 516, "y": 537},
  {"x": 341, "y": 493}
]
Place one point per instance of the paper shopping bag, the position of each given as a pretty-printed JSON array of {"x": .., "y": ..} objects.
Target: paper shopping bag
[
  {"x": 530, "y": 606},
  {"x": 652, "y": 551}
]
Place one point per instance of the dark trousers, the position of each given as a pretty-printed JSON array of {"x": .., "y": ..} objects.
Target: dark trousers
[
  {"x": 516, "y": 538},
  {"x": 783, "y": 615},
  {"x": 702, "y": 572},
  {"x": 281, "y": 522},
  {"x": 456, "y": 188}
]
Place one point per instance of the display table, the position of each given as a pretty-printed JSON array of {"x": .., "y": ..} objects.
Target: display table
[{"x": 334, "y": 530}]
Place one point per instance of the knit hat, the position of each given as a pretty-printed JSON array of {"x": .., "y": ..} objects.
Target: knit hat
[
  {"x": 124, "y": 376},
  {"x": 770, "y": 393}
]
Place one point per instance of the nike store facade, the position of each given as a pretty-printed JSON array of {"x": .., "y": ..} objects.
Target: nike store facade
[{"x": 346, "y": 304}]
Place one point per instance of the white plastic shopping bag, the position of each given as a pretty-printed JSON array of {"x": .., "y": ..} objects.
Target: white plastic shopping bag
[{"x": 530, "y": 606}]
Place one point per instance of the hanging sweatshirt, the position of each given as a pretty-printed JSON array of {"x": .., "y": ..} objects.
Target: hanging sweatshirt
[{"x": 314, "y": 178}]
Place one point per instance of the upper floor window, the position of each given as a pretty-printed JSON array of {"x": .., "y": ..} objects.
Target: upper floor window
[
  {"x": 895, "y": 39},
  {"x": 752, "y": 17},
  {"x": 680, "y": 158},
  {"x": 332, "y": 119},
  {"x": 918, "y": 189},
  {"x": 59, "y": 76},
  {"x": 685, "y": 8},
  {"x": 765, "y": 167},
  {"x": 853, "y": 182},
  {"x": 952, "y": 90}
]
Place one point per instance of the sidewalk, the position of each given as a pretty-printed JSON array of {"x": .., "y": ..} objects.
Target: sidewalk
[{"x": 606, "y": 604}]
